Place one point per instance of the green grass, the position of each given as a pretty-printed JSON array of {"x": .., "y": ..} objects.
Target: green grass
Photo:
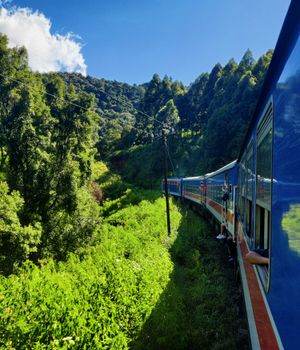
[
  {"x": 136, "y": 288},
  {"x": 195, "y": 311}
]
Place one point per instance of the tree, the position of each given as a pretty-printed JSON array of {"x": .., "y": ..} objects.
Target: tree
[
  {"x": 157, "y": 94},
  {"x": 29, "y": 144},
  {"x": 246, "y": 62},
  {"x": 17, "y": 241},
  {"x": 190, "y": 106},
  {"x": 50, "y": 141},
  {"x": 168, "y": 116},
  {"x": 12, "y": 64}
]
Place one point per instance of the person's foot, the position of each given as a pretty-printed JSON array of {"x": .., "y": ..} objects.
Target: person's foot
[{"x": 220, "y": 236}]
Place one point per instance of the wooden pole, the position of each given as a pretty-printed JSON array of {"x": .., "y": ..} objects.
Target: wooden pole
[{"x": 166, "y": 181}]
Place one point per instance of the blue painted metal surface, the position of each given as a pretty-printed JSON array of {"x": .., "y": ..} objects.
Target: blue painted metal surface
[
  {"x": 283, "y": 86},
  {"x": 174, "y": 186},
  {"x": 281, "y": 91},
  {"x": 222, "y": 180},
  {"x": 284, "y": 295},
  {"x": 193, "y": 188}
]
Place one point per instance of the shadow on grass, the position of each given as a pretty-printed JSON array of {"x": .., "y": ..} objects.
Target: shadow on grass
[{"x": 199, "y": 307}]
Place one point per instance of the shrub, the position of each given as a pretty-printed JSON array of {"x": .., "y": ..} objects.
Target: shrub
[{"x": 17, "y": 241}]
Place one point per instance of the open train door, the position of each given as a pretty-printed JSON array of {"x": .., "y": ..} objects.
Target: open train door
[{"x": 225, "y": 192}]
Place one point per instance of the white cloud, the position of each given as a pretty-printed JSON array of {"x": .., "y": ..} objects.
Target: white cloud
[{"x": 47, "y": 52}]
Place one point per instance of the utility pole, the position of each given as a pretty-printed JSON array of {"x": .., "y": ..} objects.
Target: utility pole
[{"x": 166, "y": 180}]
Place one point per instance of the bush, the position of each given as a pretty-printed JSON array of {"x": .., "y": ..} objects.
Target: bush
[
  {"x": 17, "y": 241},
  {"x": 100, "y": 297},
  {"x": 67, "y": 232},
  {"x": 135, "y": 288}
]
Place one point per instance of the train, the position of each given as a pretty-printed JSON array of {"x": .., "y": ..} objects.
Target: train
[{"x": 262, "y": 205}]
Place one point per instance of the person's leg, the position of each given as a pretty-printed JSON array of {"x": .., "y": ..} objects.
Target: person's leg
[
  {"x": 221, "y": 235},
  {"x": 231, "y": 247}
]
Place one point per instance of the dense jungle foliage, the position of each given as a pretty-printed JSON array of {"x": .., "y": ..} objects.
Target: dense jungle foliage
[
  {"x": 206, "y": 121},
  {"x": 135, "y": 287},
  {"x": 84, "y": 258}
]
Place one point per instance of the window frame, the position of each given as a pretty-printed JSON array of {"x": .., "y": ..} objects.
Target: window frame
[
  {"x": 265, "y": 124},
  {"x": 249, "y": 153},
  {"x": 241, "y": 185}
]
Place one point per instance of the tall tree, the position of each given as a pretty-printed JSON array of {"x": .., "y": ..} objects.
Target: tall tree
[
  {"x": 157, "y": 94},
  {"x": 49, "y": 136},
  {"x": 168, "y": 116},
  {"x": 13, "y": 63}
]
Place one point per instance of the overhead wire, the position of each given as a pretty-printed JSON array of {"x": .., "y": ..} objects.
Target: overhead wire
[
  {"x": 156, "y": 138},
  {"x": 128, "y": 104},
  {"x": 47, "y": 93},
  {"x": 77, "y": 105},
  {"x": 67, "y": 101}
]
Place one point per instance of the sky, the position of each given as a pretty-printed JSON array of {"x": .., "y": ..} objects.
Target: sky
[{"x": 130, "y": 40}]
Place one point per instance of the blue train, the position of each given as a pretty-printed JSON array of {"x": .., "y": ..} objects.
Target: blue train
[{"x": 262, "y": 208}]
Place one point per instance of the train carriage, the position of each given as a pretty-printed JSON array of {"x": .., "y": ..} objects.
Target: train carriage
[
  {"x": 174, "y": 186},
  {"x": 220, "y": 194},
  {"x": 194, "y": 189},
  {"x": 265, "y": 215},
  {"x": 269, "y": 201}
]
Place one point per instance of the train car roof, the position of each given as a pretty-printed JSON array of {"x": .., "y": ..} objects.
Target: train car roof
[
  {"x": 224, "y": 168},
  {"x": 287, "y": 37},
  {"x": 194, "y": 178}
]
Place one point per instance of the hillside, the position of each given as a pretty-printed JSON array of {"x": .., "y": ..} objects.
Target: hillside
[
  {"x": 206, "y": 121},
  {"x": 94, "y": 239},
  {"x": 112, "y": 96}
]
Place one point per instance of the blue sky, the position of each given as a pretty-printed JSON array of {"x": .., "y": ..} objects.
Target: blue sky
[{"x": 130, "y": 40}]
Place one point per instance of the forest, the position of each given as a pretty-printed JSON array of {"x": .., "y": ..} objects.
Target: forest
[
  {"x": 82, "y": 217},
  {"x": 206, "y": 121}
]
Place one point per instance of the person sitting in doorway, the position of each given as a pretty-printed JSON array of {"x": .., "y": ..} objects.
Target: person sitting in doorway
[{"x": 225, "y": 197}]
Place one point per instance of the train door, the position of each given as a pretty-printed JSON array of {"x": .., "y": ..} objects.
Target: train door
[
  {"x": 249, "y": 183},
  {"x": 235, "y": 222},
  {"x": 203, "y": 191},
  {"x": 225, "y": 198}
]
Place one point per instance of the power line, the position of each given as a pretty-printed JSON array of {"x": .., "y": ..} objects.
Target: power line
[
  {"x": 63, "y": 99},
  {"x": 77, "y": 105},
  {"x": 139, "y": 111},
  {"x": 128, "y": 104},
  {"x": 47, "y": 93},
  {"x": 86, "y": 109}
]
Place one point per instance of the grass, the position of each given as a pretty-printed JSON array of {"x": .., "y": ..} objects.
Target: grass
[
  {"x": 196, "y": 309},
  {"x": 135, "y": 288}
]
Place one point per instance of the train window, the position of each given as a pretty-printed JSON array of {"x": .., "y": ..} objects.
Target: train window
[
  {"x": 248, "y": 217},
  {"x": 264, "y": 186},
  {"x": 240, "y": 192},
  {"x": 249, "y": 189},
  {"x": 241, "y": 204}
]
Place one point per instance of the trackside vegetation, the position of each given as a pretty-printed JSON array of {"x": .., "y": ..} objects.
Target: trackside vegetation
[
  {"x": 85, "y": 260},
  {"x": 134, "y": 288}
]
